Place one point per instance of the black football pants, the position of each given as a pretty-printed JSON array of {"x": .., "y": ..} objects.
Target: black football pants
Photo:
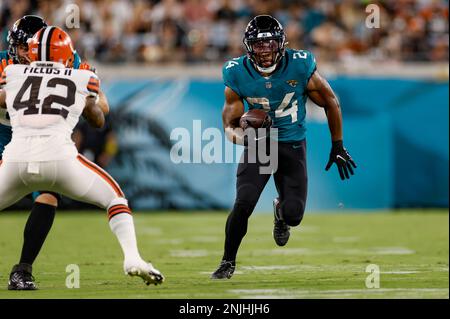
[{"x": 291, "y": 183}]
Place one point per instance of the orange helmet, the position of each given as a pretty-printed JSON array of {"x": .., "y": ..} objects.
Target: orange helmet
[{"x": 51, "y": 44}]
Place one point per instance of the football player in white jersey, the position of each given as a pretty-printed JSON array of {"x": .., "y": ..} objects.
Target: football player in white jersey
[
  {"x": 43, "y": 210},
  {"x": 45, "y": 100}
]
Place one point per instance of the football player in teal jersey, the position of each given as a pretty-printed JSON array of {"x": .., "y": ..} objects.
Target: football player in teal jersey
[
  {"x": 277, "y": 80},
  {"x": 43, "y": 212}
]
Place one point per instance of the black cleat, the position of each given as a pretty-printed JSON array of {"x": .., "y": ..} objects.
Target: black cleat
[
  {"x": 21, "y": 278},
  {"x": 225, "y": 270},
  {"x": 280, "y": 228}
]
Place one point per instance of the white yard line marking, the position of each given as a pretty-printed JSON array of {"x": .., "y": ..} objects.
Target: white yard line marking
[
  {"x": 345, "y": 239},
  {"x": 173, "y": 241},
  {"x": 189, "y": 253},
  {"x": 393, "y": 251},
  {"x": 337, "y": 293},
  {"x": 149, "y": 230},
  {"x": 237, "y": 272},
  {"x": 283, "y": 251},
  {"x": 257, "y": 291},
  {"x": 307, "y": 229},
  {"x": 272, "y": 267},
  {"x": 205, "y": 239},
  {"x": 399, "y": 272},
  {"x": 345, "y": 251},
  {"x": 193, "y": 253}
]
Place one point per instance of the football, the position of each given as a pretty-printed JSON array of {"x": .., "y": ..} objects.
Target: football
[{"x": 255, "y": 118}]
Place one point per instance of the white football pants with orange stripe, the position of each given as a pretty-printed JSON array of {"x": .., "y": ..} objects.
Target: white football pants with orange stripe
[
  {"x": 77, "y": 178},
  {"x": 82, "y": 180}
]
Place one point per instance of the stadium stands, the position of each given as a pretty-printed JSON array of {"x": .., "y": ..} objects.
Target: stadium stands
[{"x": 193, "y": 31}]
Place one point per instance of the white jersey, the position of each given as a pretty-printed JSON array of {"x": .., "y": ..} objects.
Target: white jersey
[{"x": 44, "y": 101}]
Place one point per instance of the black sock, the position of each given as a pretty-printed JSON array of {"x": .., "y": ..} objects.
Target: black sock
[
  {"x": 235, "y": 230},
  {"x": 38, "y": 225}
]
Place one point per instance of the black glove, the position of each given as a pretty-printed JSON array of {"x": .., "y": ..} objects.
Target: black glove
[{"x": 342, "y": 158}]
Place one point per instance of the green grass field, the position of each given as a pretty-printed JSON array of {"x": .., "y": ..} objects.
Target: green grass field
[{"x": 326, "y": 257}]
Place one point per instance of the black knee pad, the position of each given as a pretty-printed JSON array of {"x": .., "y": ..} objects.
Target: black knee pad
[{"x": 292, "y": 211}]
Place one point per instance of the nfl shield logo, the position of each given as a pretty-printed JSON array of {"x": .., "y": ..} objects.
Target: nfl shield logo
[{"x": 268, "y": 85}]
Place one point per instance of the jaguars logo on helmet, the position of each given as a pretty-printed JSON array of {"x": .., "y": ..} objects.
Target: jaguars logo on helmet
[{"x": 23, "y": 30}]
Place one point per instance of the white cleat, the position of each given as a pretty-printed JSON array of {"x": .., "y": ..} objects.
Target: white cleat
[{"x": 146, "y": 271}]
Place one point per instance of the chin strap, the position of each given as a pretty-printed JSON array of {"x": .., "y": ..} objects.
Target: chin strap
[{"x": 266, "y": 70}]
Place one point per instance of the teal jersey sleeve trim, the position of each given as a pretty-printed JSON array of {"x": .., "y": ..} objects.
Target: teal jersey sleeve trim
[
  {"x": 305, "y": 64},
  {"x": 311, "y": 66},
  {"x": 229, "y": 71}
]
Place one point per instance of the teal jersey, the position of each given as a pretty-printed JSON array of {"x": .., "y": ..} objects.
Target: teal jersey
[
  {"x": 282, "y": 94},
  {"x": 5, "y": 137},
  {"x": 76, "y": 61},
  {"x": 5, "y": 130},
  {"x": 4, "y": 55}
]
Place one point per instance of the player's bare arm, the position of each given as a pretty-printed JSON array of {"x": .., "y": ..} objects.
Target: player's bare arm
[
  {"x": 232, "y": 112},
  {"x": 103, "y": 102},
  {"x": 320, "y": 92},
  {"x": 93, "y": 113},
  {"x": 2, "y": 99}
]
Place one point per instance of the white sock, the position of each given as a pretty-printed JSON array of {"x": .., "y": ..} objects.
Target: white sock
[{"x": 123, "y": 227}]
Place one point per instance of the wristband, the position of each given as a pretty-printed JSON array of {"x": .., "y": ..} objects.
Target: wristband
[{"x": 338, "y": 144}]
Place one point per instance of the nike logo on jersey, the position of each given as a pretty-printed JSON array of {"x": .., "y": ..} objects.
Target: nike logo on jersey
[{"x": 260, "y": 138}]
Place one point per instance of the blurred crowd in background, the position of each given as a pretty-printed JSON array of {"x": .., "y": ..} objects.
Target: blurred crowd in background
[{"x": 192, "y": 31}]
